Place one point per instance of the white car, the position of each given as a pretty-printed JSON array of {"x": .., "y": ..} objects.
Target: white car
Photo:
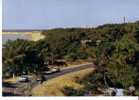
[
  {"x": 23, "y": 78},
  {"x": 47, "y": 72},
  {"x": 53, "y": 70},
  {"x": 56, "y": 69}
]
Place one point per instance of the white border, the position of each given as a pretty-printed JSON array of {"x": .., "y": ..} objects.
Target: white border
[
  {"x": 50, "y": 98},
  {"x": 1, "y": 47},
  {"x": 71, "y": 98}
]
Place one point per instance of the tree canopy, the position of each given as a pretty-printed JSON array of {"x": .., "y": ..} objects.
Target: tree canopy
[{"x": 114, "y": 48}]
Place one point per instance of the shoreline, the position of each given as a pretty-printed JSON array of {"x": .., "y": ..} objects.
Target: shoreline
[{"x": 33, "y": 35}]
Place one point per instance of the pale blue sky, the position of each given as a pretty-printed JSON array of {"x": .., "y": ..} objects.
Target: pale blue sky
[{"x": 44, "y": 14}]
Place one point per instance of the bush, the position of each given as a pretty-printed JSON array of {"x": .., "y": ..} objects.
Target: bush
[{"x": 69, "y": 91}]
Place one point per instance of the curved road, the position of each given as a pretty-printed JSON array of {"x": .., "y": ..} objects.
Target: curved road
[
  {"x": 11, "y": 90},
  {"x": 70, "y": 69}
]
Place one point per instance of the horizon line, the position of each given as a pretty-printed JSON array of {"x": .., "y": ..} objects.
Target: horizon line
[{"x": 45, "y": 29}]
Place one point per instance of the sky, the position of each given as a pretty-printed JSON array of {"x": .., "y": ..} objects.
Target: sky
[{"x": 46, "y": 14}]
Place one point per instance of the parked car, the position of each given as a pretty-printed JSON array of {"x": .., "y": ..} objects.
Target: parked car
[
  {"x": 23, "y": 78},
  {"x": 55, "y": 69},
  {"x": 52, "y": 70},
  {"x": 47, "y": 72}
]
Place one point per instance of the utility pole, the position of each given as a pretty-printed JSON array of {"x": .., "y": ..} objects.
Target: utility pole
[{"x": 124, "y": 18}]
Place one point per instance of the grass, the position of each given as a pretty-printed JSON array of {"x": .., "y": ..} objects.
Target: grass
[
  {"x": 11, "y": 80},
  {"x": 74, "y": 64},
  {"x": 77, "y": 62},
  {"x": 137, "y": 92},
  {"x": 15, "y": 79},
  {"x": 55, "y": 86}
]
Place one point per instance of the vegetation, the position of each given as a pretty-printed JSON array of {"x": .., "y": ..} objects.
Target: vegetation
[
  {"x": 69, "y": 91},
  {"x": 114, "y": 48},
  {"x": 62, "y": 85}
]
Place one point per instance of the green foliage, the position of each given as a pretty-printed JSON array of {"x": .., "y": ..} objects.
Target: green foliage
[
  {"x": 113, "y": 47},
  {"x": 65, "y": 43},
  {"x": 69, "y": 91},
  {"x": 14, "y": 54},
  {"x": 121, "y": 66},
  {"x": 20, "y": 56},
  {"x": 94, "y": 82},
  {"x": 122, "y": 74}
]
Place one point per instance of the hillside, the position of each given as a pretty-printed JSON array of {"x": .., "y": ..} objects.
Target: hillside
[{"x": 113, "y": 48}]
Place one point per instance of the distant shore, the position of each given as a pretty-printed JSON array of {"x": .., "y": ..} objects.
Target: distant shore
[{"x": 34, "y": 35}]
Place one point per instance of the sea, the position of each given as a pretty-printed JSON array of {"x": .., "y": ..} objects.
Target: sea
[{"x": 6, "y": 37}]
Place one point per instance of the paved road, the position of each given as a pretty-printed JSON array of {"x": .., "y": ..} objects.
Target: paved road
[
  {"x": 68, "y": 70},
  {"x": 12, "y": 89}
]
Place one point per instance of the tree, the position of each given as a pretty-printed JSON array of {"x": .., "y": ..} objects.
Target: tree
[
  {"x": 13, "y": 55},
  {"x": 121, "y": 65},
  {"x": 20, "y": 56},
  {"x": 65, "y": 43}
]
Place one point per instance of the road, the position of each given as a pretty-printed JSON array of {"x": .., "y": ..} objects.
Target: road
[
  {"x": 12, "y": 89},
  {"x": 68, "y": 70}
]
